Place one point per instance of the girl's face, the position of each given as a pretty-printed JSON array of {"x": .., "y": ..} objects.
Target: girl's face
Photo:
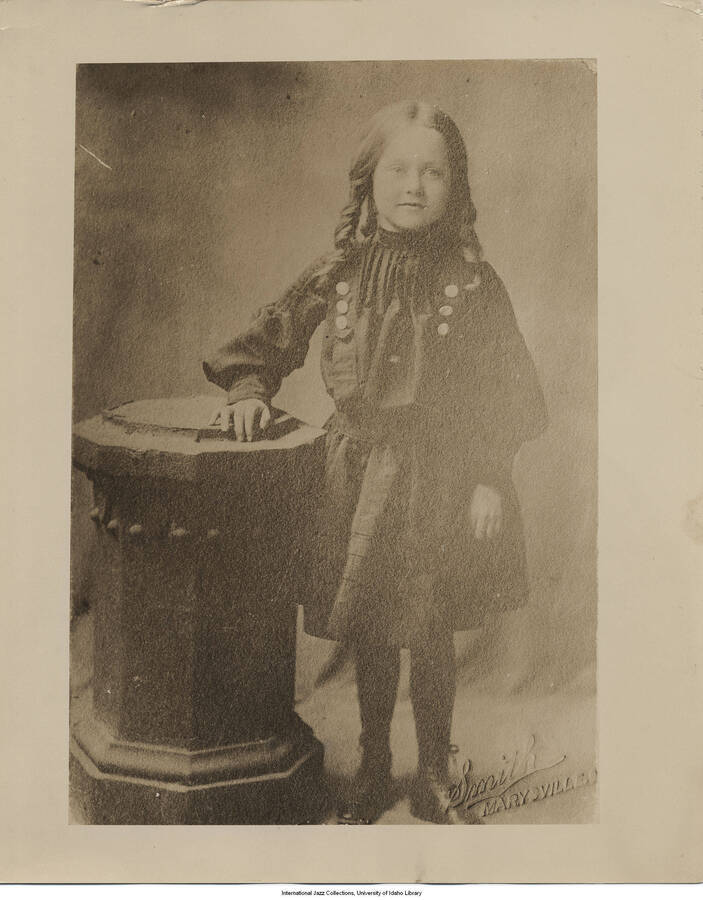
[{"x": 411, "y": 179}]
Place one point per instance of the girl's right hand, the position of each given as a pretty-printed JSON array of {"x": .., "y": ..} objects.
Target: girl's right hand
[{"x": 248, "y": 417}]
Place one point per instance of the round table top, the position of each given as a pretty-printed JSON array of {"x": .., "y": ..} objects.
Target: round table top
[{"x": 172, "y": 437}]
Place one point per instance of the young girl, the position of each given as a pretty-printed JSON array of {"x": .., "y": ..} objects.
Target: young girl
[{"x": 434, "y": 390}]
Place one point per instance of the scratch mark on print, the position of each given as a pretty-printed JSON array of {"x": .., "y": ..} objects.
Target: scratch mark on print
[{"x": 90, "y": 153}]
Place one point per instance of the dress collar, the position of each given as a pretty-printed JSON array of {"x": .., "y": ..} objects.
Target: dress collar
[{"x": 433, "y": 240}]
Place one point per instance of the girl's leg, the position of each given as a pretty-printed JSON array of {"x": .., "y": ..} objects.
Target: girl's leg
[
  {"x": 377, "y": 675},
  {"x": 432, "y": 691}
]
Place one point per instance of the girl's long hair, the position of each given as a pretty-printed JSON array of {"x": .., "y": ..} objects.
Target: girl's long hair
[{"x": 358, "y": 220}]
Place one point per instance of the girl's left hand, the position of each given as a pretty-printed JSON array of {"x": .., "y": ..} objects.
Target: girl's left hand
[{"x": 486, "y": 512}]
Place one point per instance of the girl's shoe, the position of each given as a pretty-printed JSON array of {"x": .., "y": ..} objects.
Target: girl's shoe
[
  {"x": 431, "y": 800},
  {"x": 370, "y": 795}
]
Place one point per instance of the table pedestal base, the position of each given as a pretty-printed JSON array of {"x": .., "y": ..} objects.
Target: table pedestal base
[{"x": 273, "y": 782}]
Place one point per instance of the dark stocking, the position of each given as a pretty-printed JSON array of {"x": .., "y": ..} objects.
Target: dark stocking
[
  {"x": 432, "y": 691},
  {"x": 377, "y": 674}
]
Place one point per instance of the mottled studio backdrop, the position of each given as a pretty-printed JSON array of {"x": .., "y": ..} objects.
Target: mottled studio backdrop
[{"x": 215, "y": 184}]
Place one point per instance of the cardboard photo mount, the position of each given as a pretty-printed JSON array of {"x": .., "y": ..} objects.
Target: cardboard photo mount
[{"x": 650, "y": 629}]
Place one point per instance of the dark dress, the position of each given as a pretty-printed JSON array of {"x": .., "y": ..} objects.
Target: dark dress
[{"x": 434, "y": 392}]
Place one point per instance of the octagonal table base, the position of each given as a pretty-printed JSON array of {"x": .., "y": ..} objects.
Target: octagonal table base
[{"x": 292, "y": 795}]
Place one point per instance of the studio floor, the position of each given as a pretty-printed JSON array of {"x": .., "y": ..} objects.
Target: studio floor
[{"x": 530, "y": 748}]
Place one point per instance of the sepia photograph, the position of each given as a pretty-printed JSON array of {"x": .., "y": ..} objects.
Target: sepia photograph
[{"x": 334, "y": 443}]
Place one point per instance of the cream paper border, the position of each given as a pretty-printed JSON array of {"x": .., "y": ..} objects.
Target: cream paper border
[{"x": 651, "y": 622}]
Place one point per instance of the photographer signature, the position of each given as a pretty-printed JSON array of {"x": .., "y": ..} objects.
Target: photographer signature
[{"x": 523, "y": 763}]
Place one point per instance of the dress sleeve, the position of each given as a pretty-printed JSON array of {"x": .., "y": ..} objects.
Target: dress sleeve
[
  {"x": 509, "y": 402},
  {"x": 254, "y": 363}
]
